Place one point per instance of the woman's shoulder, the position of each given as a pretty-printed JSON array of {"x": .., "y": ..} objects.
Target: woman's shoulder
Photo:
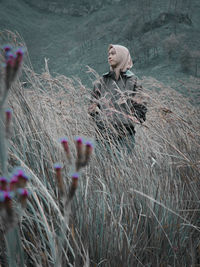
[
  {"x": 108, "y": 75},
  {"x": 130, "y": 75}
]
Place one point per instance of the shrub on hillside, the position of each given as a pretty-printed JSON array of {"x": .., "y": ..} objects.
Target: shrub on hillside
[
  {"x": 149, "y": 45},
  {"x": 171, "y": 46},
  {"x": 190, "y": 61},
  {"x": 186, "y": 59},
  {"x": 196, "y": 61}
]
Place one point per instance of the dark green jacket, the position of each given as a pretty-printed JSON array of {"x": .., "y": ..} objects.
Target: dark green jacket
[{"x": 115, "y": 98}]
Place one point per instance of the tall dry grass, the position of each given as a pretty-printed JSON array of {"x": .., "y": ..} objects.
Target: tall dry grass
[{"x": 132, "y": 208}]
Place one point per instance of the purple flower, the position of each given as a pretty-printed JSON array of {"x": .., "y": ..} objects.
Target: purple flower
[
  {"x": 23, "y": 196},
  {"x": 63, "y": 140},
  {"x": 13, "y": 183},
  {"x": 22, "y": 177},
  {"x": 20, "y": 173},
  {"x": 19, "y": 52},
  {"x": 75, "y": 175},
  {"x": 23, "y": 192},
  {"x": 89, "y": 144},
  {"x": 19, "y": 56},
  {"x": 88, "y": 151},
  {"x": 65, "y": 145},
  {"x": 8, "y": 113},
  {"x": 7, "y": 49},
  {"x": 79, "y": 140},
  {"x": 79, "y": 145},
  {"x": 59, "y": 178},
  {"x": 57, "y": 166},
  {"x": 3, "y": 179},
  {"x": 8, "y": 195},
  {"x": 10, "y": 60},
  {"x": 74, "y": 185}
]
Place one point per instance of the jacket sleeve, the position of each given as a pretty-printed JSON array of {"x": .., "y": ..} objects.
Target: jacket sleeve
[
  {"x": 139, "y": 111},
  {"x": 96, "y": 92},
  {"x": 137, "y": 104}
]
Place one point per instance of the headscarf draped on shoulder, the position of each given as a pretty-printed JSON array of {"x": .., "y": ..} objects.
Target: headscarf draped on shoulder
[{"x": 124, "y": 58}]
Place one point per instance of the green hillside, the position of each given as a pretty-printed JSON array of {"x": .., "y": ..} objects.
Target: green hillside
[{"x": 163, "y": 36}]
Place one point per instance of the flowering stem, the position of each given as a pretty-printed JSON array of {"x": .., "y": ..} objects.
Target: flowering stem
[
  {"x": 14, "y": 248},
  {"x": 3, "y": 100},
  {"x": 3, "y": 143}
]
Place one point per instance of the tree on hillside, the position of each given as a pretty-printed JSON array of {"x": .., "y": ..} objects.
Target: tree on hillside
[
  {"x": 171, "y": 46},
  {"x": 145, "y": 48},
  {"x": 145, "y": 9},
  {"x": 196, "y": 61},
  {"x": 154, "y": 40},
  {"x": 186, "y": 59},
  {"x": 180, "y": 7},
  {"x": 186, "y": 7},
  {"x": 190, "y": 61},
  {"x": 149, "y": 45},
  {"x": 177, "y": 5}
]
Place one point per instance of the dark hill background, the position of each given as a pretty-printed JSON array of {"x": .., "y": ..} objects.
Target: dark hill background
[{"x": 162, "y": 35}]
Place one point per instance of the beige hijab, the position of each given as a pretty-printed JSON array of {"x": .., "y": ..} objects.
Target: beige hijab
[{"x": 124, "y": 58}]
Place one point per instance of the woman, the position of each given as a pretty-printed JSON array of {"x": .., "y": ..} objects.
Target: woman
[{"x": 113, "y": 103}]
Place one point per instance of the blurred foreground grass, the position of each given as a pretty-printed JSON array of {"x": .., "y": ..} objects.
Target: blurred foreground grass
[{"x": 131, "y": 209}]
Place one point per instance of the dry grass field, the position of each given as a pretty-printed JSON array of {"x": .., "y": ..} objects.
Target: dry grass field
[{"x": 131, "y": 208}]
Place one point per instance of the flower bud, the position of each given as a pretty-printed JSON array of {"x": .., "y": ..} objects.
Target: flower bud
[
  {"x": 9, "y": 70},
  {"x": 13, "y": 183},
  {"x": 23, "y": 196},
  {"x": 65, "y": 145},
  {"x": 7, "y": 49},
  {"x": 59, "y": 178},
  {"x": 17, "y": 62},
  {"x": 8, "y": 202},
  {"x": 79, "y": 150},
  {"x": 88, "y": 151},
  {"x": 22, "y": 178},
  {"x": 3, "y": 183},
  {"x": 74, "y": 185},
  {"x": 19, "y": 55}
]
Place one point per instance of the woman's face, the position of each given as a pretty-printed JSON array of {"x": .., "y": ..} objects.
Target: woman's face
[{"x": 112, "y": 58}]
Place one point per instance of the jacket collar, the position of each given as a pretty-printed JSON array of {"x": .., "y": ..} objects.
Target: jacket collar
[{"x": 127, "y": 74}]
